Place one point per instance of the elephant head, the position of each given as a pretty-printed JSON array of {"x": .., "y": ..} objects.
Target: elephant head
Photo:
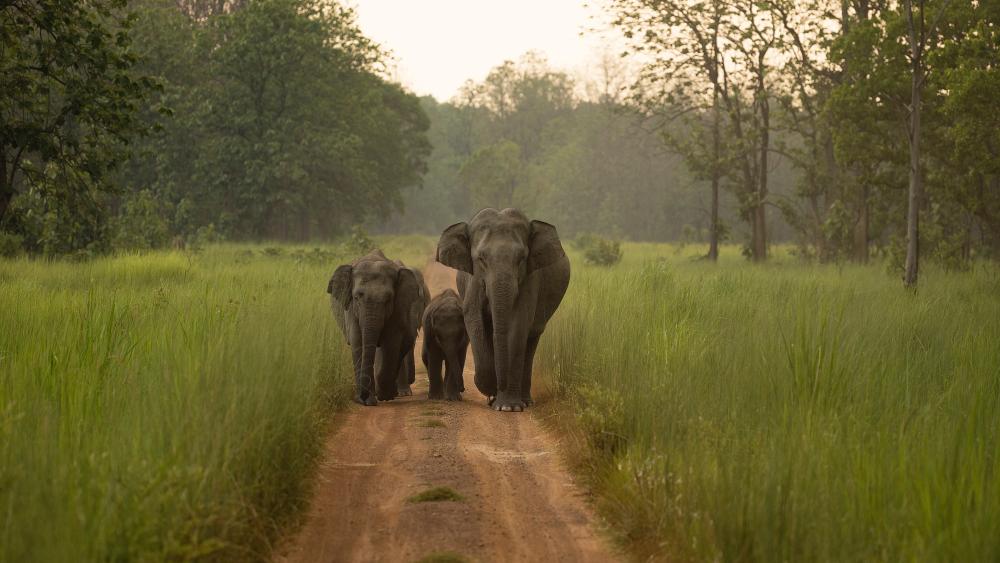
[
  {"x": 378, "y": 295},
  {"x": 502, "y": 250}
]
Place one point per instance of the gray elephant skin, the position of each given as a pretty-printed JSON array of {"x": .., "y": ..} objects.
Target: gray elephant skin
[
  {"x": 408, "y": 367},
  {"x": 378, "y": 305},
  {"x": 512, "y": 275},
  {"x": 445, "y": 341}
]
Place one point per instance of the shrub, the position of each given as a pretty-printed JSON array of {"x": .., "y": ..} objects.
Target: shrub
[
  {"x": 603, "y": 252},
  {"x": 142, "y": 224},
  {"x": 359, "y": 243},
  {"x": 11, "y": 245}
]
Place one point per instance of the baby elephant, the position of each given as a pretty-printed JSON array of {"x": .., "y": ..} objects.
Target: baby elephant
[{"x": 445, "y": 340}]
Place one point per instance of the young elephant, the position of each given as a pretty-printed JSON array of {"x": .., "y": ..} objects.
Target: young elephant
[
  {"x": 445, "y": 340},
  {"x": 375, "y": 303}
]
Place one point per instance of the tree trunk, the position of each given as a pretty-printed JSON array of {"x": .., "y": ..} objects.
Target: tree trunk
[
  {"x": 6, "y": 187},
  {"x": 861, "y": 235},
  {"x": 713, "y": 236},
  {"x": 759, "y": 243},
  {"x": 916, "y": 178}
]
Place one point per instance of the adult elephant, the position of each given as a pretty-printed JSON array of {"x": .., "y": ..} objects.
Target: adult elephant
[
  {"x": 374, "y": 301},
  {"x": 408, "y": 367},
  {"x": 512, "y": 276}
]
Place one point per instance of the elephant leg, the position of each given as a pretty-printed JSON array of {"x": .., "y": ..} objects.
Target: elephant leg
[
  {"x": 529, "y": 357},
  {"x": 481, "y": 339},
  {"x": 391, "y": 353},
  {"x": 463, "y": 352},
  {"x": 434, "y": 358},
  {"x": 453, "y": 374},
  {"x": 364, "y": 390},
  {"x": 509, "y": 398},
  {"x": 403, "y": 380}
]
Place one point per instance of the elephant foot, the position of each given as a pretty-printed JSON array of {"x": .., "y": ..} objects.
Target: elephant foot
[
  {"x": 370, "y": 401},
  {"x": 387, "y": 396},
  {"x": 435, "y": 395},
  {"x": 490, "y": 400},
  {"x": 528, "y": 401},
  {"x": 453, "y": 396},
  {"x": 404, "y": 391},
  {"x": 506, "y": 403}
]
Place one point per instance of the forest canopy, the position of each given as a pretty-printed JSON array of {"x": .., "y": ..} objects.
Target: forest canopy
[
  {"x": 263, "y": 119},
  {"x": 848, "y": 127}
]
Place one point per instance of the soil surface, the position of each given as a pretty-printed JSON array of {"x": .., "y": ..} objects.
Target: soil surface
[{"x": 519, "y": 502}]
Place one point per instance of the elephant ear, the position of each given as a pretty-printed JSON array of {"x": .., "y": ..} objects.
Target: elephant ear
[
  {"x": 407, "y": 291},
  {"x": 544, "y": 247},
  {"x": 454, "y": 249},
  {"x": 340, "y": 284}
]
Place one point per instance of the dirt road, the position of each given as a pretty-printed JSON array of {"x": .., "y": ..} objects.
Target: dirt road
[{"x": 519, "y": 503}]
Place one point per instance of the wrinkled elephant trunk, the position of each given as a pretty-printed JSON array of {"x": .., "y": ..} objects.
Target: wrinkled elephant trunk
[
  {"x": 502, "y": 295},
  {"x": 372, "y": 318}
]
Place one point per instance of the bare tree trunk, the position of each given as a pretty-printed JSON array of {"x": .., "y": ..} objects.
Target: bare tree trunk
[
  {"x": 916, "y": 178},
  {"x": 916, "y": 190},
  {"x": 5, "y": 189},
  {"x": 713, "y": 237},
  {"x": 760, "y": 211},
  {"x": 861, "y": 230}
]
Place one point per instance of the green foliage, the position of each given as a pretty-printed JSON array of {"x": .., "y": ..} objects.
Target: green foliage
[
  {"x": 142, "y": 224},
  {"x": 492, "y": 174},
  {"x": 61, "y": 214},
  {"x": 524, "y": 137},
  {"x": 282, "y": 127},
  {"x": 599, "y": 251},
  {"x": 359, "y": 243},
  {"x": 69, "y": 107},
  {"x": 11, "y": 245},
  {"x": 436, "y": 494},
  {"x": 791, "y": 412}
]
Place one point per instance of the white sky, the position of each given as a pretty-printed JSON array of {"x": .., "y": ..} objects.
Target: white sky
[{"x": 439, "y": 44}]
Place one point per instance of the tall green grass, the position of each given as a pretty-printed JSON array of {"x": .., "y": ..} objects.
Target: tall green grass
[
  {"x": 165, "y": 406},
  {"x": 784, "y": 412}
]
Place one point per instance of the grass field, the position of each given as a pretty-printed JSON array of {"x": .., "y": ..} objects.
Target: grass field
[
  {"x": 166, "y": 406},
  {"x": 783, "y": 412}
]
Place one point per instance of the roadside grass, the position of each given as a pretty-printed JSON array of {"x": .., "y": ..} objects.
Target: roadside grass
[
  {"x": 436, "y": 494},
  {"x": 431, "y": 423},
  {"x": 782, "y": 412},
  {"x": 166, "y": 406}
]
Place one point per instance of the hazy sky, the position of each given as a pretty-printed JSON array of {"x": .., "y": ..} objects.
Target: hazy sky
[{"x": 438, "y": 44}]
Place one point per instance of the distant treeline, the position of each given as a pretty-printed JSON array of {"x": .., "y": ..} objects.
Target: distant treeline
[
  {"x": 571, "y": 153},
  {"x": 850, "y": 127}
]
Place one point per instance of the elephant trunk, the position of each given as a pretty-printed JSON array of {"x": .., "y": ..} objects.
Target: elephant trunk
[
  {"x": 372, "y": 319},
  {"x": 502, "y": 296}
]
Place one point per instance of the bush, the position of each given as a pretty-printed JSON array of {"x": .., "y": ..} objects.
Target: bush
[
  {"x": 603, "y": 252},
  {"x": 583, "y": 241},
  {"x": 11, "y": 245},
  {"x": 359, "y": 243},
  {"x": 142, "y": 224}
]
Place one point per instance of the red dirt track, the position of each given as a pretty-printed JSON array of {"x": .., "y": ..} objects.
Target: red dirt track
[{"x": 519, "y": 501}]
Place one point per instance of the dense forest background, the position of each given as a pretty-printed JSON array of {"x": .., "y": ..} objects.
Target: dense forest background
[{"x": 848, "y": 127}]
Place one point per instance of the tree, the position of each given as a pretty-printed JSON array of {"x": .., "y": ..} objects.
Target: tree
[
  {"x": 69, "y": 106},
  {"x": 283, "y": 127},
  {"x": 711, "y": 57},
  {"x": 492, "y": 174},
  {"x": 920, "y": 38}
]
